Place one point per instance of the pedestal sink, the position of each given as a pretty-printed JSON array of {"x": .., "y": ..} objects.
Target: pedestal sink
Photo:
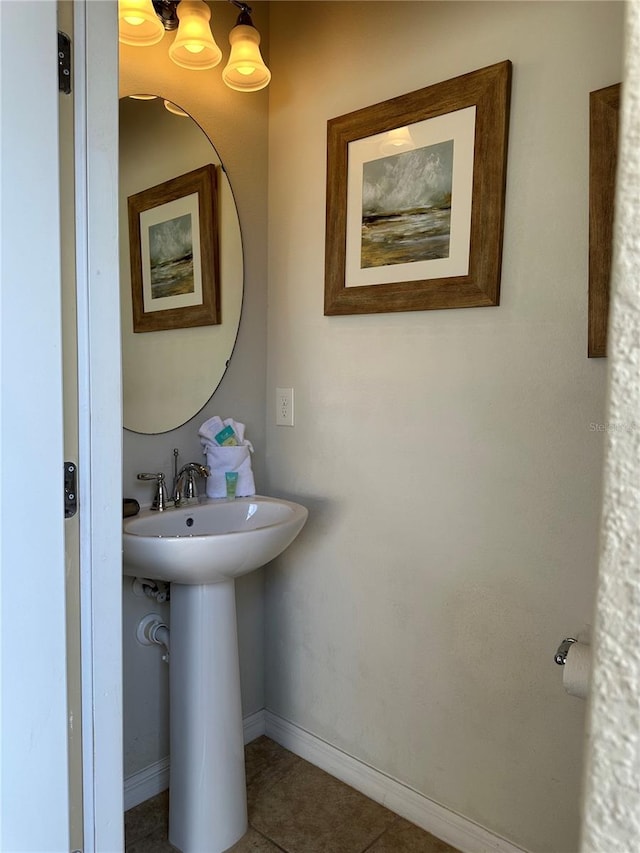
[{"x": 200, "y": 549}]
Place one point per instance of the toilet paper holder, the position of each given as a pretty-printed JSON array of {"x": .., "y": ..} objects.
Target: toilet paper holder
[{"x": 563, "y": 650}]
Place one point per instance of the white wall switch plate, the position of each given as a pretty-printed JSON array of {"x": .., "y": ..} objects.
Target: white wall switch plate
[{"x": 284, "y": 406}]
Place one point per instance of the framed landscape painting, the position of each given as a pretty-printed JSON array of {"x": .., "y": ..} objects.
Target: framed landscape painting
[
  {"x": 173, "y": 244},
  {"x": 415, "y": 198}
]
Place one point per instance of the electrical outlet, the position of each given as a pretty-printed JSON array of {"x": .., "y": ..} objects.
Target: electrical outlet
[{"x": 284, "y": 406}]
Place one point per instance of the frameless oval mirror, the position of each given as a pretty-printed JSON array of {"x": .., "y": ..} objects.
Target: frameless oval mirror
[{"x": 169, "y": 374}]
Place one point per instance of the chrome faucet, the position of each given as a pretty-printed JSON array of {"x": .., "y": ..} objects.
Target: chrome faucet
[
  {"x": 184, "y": 488},
  {"x": 160, "y": 498}
]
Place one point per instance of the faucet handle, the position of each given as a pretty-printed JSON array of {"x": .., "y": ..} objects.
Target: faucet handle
[{"x": 160, "y": 499}]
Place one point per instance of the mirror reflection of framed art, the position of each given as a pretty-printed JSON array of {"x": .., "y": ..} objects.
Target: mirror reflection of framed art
[{"x": 173, "y": 245}]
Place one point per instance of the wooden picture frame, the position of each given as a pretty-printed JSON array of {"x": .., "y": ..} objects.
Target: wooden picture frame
[
  {"x": 604, "y": 105},
  {"x": 174, "y": 252},
  {"x": 461, "y": 127}
]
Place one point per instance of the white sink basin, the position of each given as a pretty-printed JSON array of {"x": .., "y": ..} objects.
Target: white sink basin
[{"x": 211, "y": 541}]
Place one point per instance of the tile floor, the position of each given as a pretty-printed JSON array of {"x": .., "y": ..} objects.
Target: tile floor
[{"x": 296, "y": 808}]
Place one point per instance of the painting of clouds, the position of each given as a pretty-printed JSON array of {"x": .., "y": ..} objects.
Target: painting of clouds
[
  {"x": 406, "y": 206},
  {"x": 171, "y": 257}
]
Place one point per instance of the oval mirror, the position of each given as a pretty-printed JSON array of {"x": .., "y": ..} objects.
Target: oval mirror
[{"x": 169, "y": 374}]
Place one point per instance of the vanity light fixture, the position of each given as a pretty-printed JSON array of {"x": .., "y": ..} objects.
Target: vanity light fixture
[
  {"x": 168, "y": 105},
  {"x": 144, "y": 22},
  {"x": 194, "y": 46},
  {"x": 138, "y": 23},
  {"x": 173, "y": 108},
  {"x": 396, "y": 141},
  {"x": 245, "y": 71}
]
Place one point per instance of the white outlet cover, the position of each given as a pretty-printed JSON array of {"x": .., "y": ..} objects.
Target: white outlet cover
[{"x": 284, "y": 406}]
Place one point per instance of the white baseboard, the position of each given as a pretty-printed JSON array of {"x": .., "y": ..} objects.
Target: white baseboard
[
  {"x": 154, "y": 779},
  {"x": 254, "y": 725},
  {"x": 146, "y": 783},
  {"x": 460, "y": 832}
]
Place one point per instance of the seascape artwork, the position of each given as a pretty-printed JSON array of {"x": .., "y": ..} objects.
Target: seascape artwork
[
  {"x": 171, "y": 257},
  {"x": 406, "y": 206}
]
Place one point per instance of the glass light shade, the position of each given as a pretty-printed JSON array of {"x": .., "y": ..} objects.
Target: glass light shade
[
  {"x": 396, "y": 141},
  {"x": 138, "y": 23},
  {"x": 173, "y": 108},
  {"x": 194, "y": 46},
  {"x": 245, "y": 71}
]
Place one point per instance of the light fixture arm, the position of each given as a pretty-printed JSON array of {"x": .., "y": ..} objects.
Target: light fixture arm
[
  {"x": 244, "y": 9},
  {"x": 244, "y": 18},
  {"x": 166, "y": 11}
]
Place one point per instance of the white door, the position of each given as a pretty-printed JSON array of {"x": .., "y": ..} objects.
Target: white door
[
  {"x": 34, "y": 760},
  {"x": 95, "y": 48},
  {"x": 70, "y": 433},
  {"x": 32, "y": 624}
]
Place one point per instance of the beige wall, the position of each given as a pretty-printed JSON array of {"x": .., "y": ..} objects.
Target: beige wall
[
  {"x": 237, "y": 125},
  {"x": 446, "y": 457}
]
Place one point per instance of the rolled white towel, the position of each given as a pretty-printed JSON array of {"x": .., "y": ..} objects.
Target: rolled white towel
[
  {"x": 210, "y": 429},
  {"x": 237, "y": 427},
  {"x": 223, "y": 459}
]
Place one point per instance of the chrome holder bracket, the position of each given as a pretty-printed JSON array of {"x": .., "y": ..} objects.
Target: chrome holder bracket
[{"x": 563, "y": 650}]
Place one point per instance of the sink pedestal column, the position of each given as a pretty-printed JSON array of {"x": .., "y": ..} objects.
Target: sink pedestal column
[{"x": 207, "y": 795}]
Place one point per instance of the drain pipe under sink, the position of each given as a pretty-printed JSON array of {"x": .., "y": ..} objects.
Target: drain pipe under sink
[{"x": 153, "y": 631}]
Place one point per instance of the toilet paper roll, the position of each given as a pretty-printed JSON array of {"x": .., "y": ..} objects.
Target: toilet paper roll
[{"x": 576, "y": 674}]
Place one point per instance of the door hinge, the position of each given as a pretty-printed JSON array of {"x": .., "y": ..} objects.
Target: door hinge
[
  {"x": 70, "y": 489},
  {"x": 64, "y": 63}
]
